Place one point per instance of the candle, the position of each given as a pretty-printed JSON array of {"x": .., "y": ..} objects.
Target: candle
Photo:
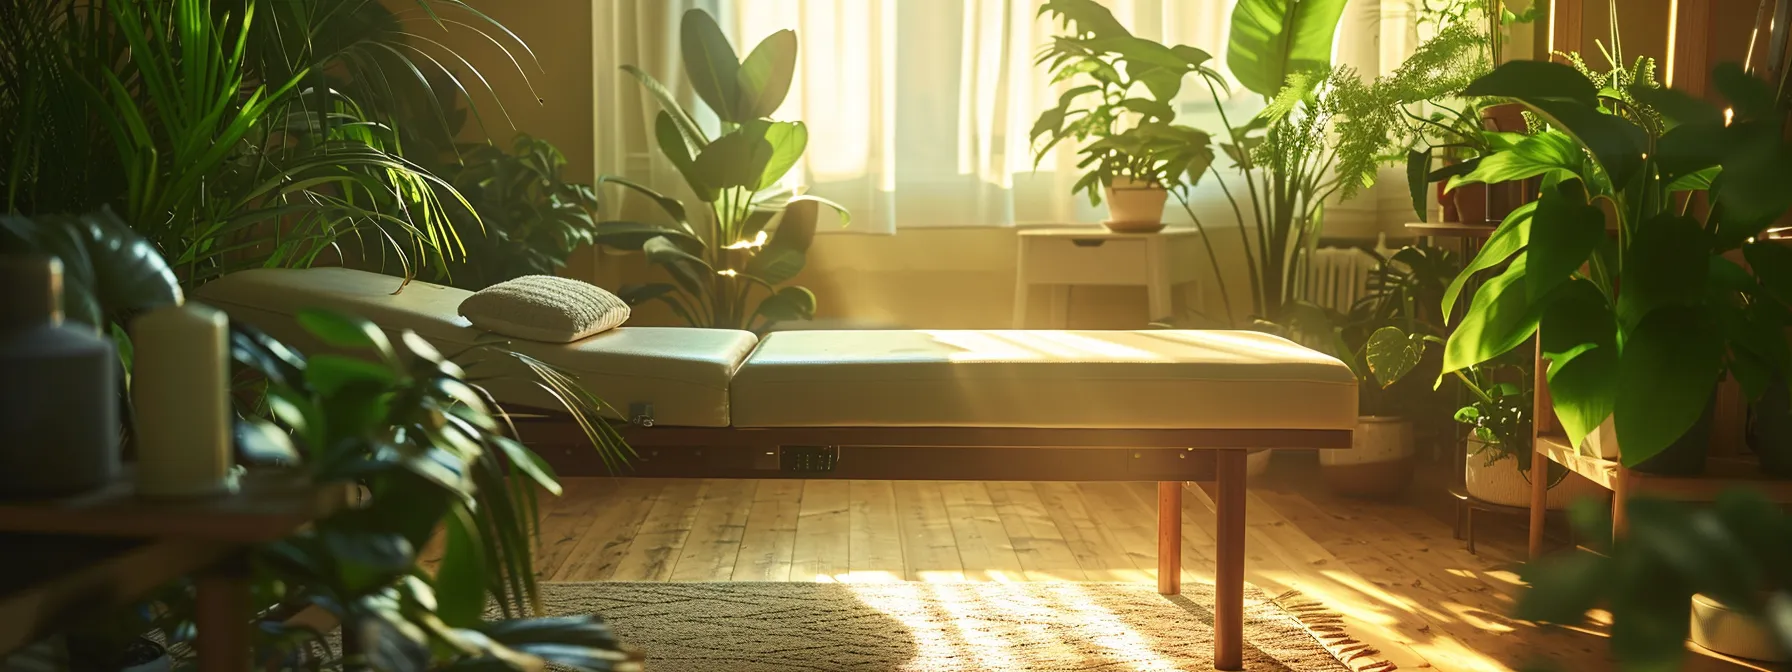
[{"x": 179, "y": 386}]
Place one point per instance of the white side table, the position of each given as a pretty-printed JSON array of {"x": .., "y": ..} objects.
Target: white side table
[{"x": 1061, "y": 257}]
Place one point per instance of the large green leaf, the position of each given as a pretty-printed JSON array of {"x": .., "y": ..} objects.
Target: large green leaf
[
  {"x": 1499, "y": 319},
  {"x": 1616, "y": 143},
  {"x": 1512, "y": 235},
  {"x": 764, "y": 77},
  {"x": 671, "y": 206},
  {"x": 1272, "y": 39},
  {"x": 678, "y": 150},
  {"x": 1550, "y": 153},
  {"x": 737, "y": 159},
  {"x": 107, "y": 269},
  {"x": 1578, "y": 335},
  {"x": 788, "y": 139},
  {"x": 789, "y": 303},
  {"x": 710, "y": 62},
  {"x": 1564, "y": 233},
  {"x": 689, "y": 271},
  {"x": 1535, "y": 80},
  {"x": 460, "y": 579},
  {"x": 632, "y": 235},
  {"x": 1666, "y": 375},
  {"x": 1392, "y": 353},
  {"x": 1667, "y": 264},
  {"x": 687, "y": 126},
  {"x": 1772, "y": 264},
  {"x": 1418, "y": 166},
  {"x": 776, "y": 265},
  {"x": 796, "y": 229}
]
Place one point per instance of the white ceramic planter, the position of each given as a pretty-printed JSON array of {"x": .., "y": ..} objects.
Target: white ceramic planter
[
  {"x": 1135, "y": 207},
  {"x": 1602, "y": 441},
  {"x": 1503, "y": 483},
  {"x": 1732, "y": 633},
  {"x": 1379, "y": 462},
  {"x": 1256, "y": 464}
]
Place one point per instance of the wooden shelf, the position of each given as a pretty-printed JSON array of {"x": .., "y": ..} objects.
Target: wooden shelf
[
  {"x": 1452, "y": 229},
  {"x": 1721, "y": 473},
  {"x": 265, "y": 509}
]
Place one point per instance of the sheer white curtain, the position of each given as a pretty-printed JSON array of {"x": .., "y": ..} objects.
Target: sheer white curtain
[{"x": 918, "y": 110}]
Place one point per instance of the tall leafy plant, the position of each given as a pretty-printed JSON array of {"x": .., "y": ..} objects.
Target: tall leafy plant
[
  {"x": 434, "y": 454},
  {"x": 251, "y": 137},
  {"x": 1124, "y": 99},
  {"x": 533, "y": 217},
  {"x": 1638, "y": 327},
  {"x": 729, "y": 266}
]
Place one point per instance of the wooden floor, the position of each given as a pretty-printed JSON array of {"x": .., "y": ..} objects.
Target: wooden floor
[{"x": 1393, "y": 570}]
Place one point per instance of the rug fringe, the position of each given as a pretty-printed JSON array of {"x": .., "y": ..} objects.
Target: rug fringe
[{"x": 1327, "y": 626}]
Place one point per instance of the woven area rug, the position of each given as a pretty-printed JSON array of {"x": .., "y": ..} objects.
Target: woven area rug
[{"x": 933, "y": 626}]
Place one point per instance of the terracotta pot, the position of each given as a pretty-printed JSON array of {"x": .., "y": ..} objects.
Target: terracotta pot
[
  {"x": 1446, "y": 201},
  {"x": 1717, "y": 627},
  {"x": 1503, "y": 483},
  {"x": 1379, "y": 462},
  {"x": 1505, "y": 117},
  {"x": 1471, "y": 203},
  {"x": 1135, "y": 207}
]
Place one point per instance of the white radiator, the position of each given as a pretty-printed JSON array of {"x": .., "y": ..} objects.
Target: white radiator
[{"x": 1336, "y": 277}]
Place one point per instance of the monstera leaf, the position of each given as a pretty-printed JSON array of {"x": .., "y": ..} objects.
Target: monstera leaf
[
  {"x": 1272, "y": 39},
  {"x": 108, "y": 271}
]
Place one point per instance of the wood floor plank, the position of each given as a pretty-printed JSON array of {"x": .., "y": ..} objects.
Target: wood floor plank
[
  {"x": 769, "y": 542},
  {"x": 612, "y": 532},
  {"x": 874, "y": 553},
  {"x": 655, "y": 550},
  {"x": 929, "y": 551},
  {"x": 1132, "y": 522},
  {"x": 1096, "y": 550},
  {"x": 984, "y": 550},
  {"x": 565, "y": 519},
  {"x": 823, "y": 529},
  {"x": 1043, "y": 552},
  {"x": 709, "y": 554}
]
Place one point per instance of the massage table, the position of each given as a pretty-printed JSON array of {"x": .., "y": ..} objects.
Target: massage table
[{"x": 1170, "y": 406}]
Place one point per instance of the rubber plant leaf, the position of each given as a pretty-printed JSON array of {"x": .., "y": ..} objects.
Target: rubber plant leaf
[
  {"x": 765, "y": 75},
  {"x": 710, "y": 62}
]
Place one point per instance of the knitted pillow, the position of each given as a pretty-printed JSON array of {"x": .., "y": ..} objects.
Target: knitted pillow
[{"x": 544, "y": 308}]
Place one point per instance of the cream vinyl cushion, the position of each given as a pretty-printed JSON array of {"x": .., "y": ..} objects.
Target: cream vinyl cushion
[
  {"x": 683, "y": 373},
  {"x": 1157, "y": 379}
]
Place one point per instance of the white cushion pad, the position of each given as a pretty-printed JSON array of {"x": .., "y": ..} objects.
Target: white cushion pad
[
  {"x": 1157, "y": 379},
  {"x": 682, "y": 373}
]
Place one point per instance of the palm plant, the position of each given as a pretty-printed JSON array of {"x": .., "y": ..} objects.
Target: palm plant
[
  {"x": 720, "y": 263},
  {"x": 260, "y": 136}
]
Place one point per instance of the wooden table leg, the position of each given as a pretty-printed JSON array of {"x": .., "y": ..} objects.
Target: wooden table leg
[
  {"x": 1169, "y": 537},
  {"x": 222, "y": 617},
  {"x": 1228, "y": 608},
  {"x": 1539, "y": 498}
]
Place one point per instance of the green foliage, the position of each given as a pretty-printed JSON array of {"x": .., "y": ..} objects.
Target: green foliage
[
  {"x": 430, "y": 449},
  {"x": 1273, "y": 40},
  {"x": 1737, "y": 551},
  {"x": 259, "y": 136},
  {"x": 720, "y": 264},
  {"x": 1385, "y": 336},
  {"x": 1122, "y": 107},
  {"x": 108, "y": 272},
  {"x": 1613, "y": 161},
  {"x": 533, "y": 218}
]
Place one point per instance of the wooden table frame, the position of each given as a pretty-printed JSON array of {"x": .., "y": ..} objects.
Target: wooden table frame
[{"x": 1169, "y": 456}]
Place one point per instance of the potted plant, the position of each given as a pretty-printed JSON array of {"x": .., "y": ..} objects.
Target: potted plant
[
  {"x": 532, "y": 218},
  {"x": 1641, "y": 327},
  {"x": 1383, "y": 339},
  {"x": 728, "y": 269},
  {"x": 1121, "y": 106},
  {"x": 1499, "y": 468}
]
